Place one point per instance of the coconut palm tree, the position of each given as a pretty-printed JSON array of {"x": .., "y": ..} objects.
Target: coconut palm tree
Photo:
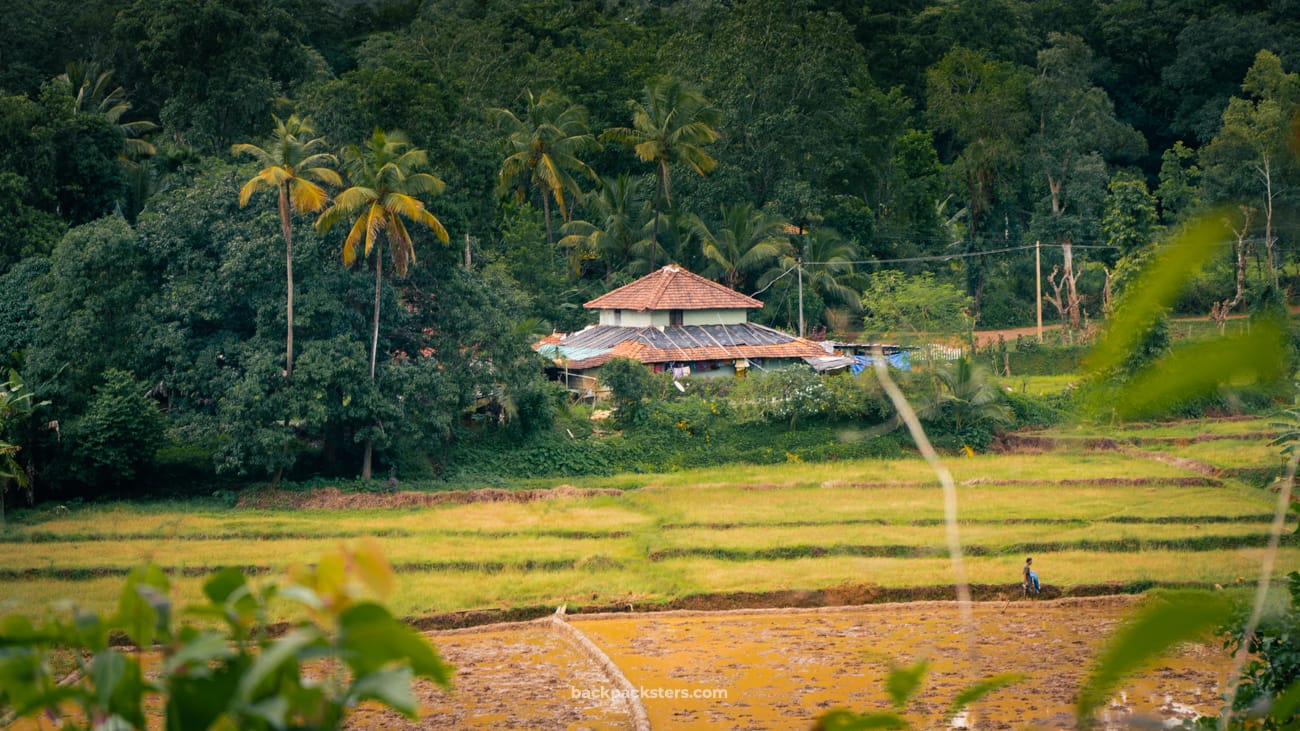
[
  {"x": 292, "y": 165},
  {"x": 670, "y": 126},
  {"x": 17, "y": 404},
  {"x": 745, "y": 244},
  {"x": 386, "y": 176},
  {"x": 544, "y": 146},
  {"x": 93, "y": 93},
  {"x": 11, "y": 473},
  {"x": 825, "y": 266},
  {"x": 617, "y": 217},
  {"x": 967, "y": 395}
]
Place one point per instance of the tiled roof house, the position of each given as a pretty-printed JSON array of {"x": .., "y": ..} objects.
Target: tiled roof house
[{"x": 673, "y": 319}]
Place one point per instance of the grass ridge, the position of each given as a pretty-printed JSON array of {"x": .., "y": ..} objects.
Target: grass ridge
[{"x": 1128, "y": 545}]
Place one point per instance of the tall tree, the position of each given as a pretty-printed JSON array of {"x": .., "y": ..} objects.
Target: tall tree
[
  {"x": 1077, "y": 127},
  {"x": 670, "y": 126},
  {"x": 1179, "y": 188},
  {"x": 544, "y": 147},
  {"x": 1249, "y": 156},
  {"x": 291, "y": 165},
  {"x": 981, "y": 106},
  {"x": 217, "y": 67},
  {"x": 387, "y": 177}
]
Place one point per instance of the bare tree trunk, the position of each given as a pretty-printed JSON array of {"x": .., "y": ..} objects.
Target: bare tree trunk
[
  {"x": 1071, "y": 278},
  {"x": 1059, "y": 301},
  {"x": 1242, "y": 247},
  {"x": 1107, "y": 295},
  {"x": 1267, "y": 172},
  {"x": 1219, "y": 314}
]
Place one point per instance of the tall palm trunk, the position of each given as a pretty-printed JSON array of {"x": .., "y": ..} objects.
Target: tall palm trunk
[
  {"x": 374, "y": 352},
  {"x": 546, "y": 213},
  {"x": 659, "y": 199},
  {"x": 286, "y": 226}
]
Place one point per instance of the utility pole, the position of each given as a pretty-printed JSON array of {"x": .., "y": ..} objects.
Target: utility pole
[
  {"x": 799, "y": 264},
  {"x": 1038, "y": 281}
]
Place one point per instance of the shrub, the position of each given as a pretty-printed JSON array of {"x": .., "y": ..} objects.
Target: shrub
[
  {"x": 118, "y": 435},
  {"x": 1274, "y": 666},
  {"x": 233, "y": 677},
  {"x": 1030, "y": 410},
  {"x": 784, "y": 394},
  {"x": 630, "y": 384}
]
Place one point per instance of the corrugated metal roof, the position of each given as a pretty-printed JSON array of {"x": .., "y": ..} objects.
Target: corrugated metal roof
[{"x": 597, "y": 345}]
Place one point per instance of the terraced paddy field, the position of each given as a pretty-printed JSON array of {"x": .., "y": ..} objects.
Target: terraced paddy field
[
  {"x": 1157, "y": 510},
  {"x": 1092, "y": 516}
]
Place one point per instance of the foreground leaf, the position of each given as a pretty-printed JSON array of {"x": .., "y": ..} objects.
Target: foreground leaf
[
  {"x": 1152, "y": 630},
  {"x": 842, "y": 720},
  {"x": 903, "y": 682},
  {"x": 370, "y": 638},
  {"x": 981, "y": 689}
]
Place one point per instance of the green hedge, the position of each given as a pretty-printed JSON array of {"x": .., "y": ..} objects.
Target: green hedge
[{"x": 660, "y": 447}]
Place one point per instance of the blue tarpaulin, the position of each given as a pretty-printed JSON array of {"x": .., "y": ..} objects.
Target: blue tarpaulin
[{"x": 901, "y": 360}]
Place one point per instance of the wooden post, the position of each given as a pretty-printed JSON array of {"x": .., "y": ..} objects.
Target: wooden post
[
  {"x": 799, "y": 265},
  {"x": 1038, "y": 281}
]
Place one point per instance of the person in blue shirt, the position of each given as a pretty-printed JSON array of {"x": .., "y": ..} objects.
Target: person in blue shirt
[{"x": 1030, "y": 578}]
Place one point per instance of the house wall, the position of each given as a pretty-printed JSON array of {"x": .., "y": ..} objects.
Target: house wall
[
  {"x": 713, "y": 317},
  {"x": 659, "y": 318},
  {"x": 628, "y": 318}
]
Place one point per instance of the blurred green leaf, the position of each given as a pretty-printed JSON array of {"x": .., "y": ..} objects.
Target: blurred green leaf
[
  {"x": 370, "y": 638},
  {"x": 274, "y": 710},
  {"x": 1200, "y": 369},
  {"x": 841, "y": 720},
  {"x": 903, "y": 682},
  {"x": 119, "y": 686},
  {"x": 223, "y": 584},
  {"x": 303, "y": 595},
  {"x": 1157, "y": 625},
  {"x": 22, "y": 678},
  {"x": 196, "y": 702},
  {"x": 1286, "y": 704},
  {"x": 391, "y": 687},
  {"x": 281, "y": 653},
  {"x": 981, "y": 689},
  {"x": 198, "y": 652},
  {"x": 143, "y": 609},
  {"x": 1155, "y": 289}
]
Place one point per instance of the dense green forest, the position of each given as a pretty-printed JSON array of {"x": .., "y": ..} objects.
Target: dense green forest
[{"x": 456, "y": 177}]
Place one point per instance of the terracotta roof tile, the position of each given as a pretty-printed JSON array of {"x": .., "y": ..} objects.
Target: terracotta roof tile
[{"x": 672, "y": 288}]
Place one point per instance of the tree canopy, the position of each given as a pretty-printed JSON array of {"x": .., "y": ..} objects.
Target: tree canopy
[{"x": 880, "y": 154}]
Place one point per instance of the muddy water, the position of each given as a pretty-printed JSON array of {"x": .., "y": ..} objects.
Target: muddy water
[{"x": 780, "y": 669}]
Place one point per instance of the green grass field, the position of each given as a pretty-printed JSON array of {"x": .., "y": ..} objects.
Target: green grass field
[{"x": 1089, "y": 517}]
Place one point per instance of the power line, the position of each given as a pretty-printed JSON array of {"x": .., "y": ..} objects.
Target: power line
[{"x": 963, "y": 255}]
